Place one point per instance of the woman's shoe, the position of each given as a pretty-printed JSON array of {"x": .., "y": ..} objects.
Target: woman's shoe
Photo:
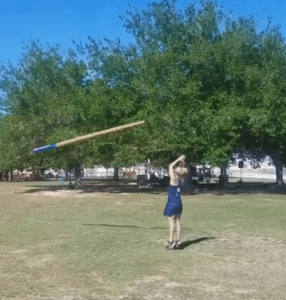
[
  {"x": 178, "y": 244},
  {"x": 171, "y": 245}
]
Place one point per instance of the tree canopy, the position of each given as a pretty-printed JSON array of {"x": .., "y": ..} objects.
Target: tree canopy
[{"x": 202, "y": 92}]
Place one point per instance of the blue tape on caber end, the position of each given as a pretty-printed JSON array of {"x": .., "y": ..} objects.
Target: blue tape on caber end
[{"x": 45, "y": 148}]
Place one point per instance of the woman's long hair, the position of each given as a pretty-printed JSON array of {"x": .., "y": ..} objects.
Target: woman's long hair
[{"x": 180, "y": 170}]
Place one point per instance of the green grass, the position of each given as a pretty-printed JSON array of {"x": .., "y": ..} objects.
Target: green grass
[{"x": 59, "y": 247}]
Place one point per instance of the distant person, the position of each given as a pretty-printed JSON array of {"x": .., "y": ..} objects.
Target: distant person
[{"x": 174, "y": 207}]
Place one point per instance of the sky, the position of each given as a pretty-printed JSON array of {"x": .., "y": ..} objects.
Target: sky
[{"x": 61, "y": 21}]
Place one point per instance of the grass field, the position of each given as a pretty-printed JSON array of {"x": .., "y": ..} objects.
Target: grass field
[{"x": 65, "y": 245}]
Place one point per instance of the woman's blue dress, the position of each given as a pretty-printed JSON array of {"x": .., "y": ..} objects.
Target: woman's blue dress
[{"x": 174, "y": 204}]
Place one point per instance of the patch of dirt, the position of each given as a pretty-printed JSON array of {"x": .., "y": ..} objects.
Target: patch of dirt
[
  {"x": 139, "y": 204},
  {"x": 153, "y": 287},
  {"x": 271, "y": 200},
  {"x": 20, "y": 251},
  {"x": 38, "y": 262},
  {"x": 96, "y": 277},
  {"x": 65, "y": 194},
  {"x": 125, "y": 194},
  {"x": 54, "y": 194},
  {"x": 39, "y": 195},
  {"x": 229, "y": 267},
  {"x": 59, "y": 194},
  {"x": 63, "y": 294}
]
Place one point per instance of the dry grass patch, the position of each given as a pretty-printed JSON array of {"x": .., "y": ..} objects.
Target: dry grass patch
[{"x": 234, "y": 247}]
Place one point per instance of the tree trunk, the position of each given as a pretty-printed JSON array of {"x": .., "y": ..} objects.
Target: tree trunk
[
  {"x": 42, "y": 172},
  {"x": 186, "y": 183},
  {"x": 223, "y": 178},
  {"x": 223, "y": 170},
  {"x": 277, "y": 160},
  {"x": 78, "y": 182},
  {"x": 67, "y": 175},
  {"x": 7, "y": 175},
  {"x": 116, "y": 178},
  {"x": 192, "y": 172},
  {"x": 11, "y": 175}
]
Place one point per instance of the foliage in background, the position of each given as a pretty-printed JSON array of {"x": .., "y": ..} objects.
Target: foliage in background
[{"x": 202, "y": 92}]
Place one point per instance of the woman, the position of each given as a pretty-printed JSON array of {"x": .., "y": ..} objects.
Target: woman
[{"x": 174, "y": 207}]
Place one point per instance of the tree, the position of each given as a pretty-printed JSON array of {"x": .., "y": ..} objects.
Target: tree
[
  {"x": 265, "y": 86},
  {"x": 46, "y": 94},
  {"x": 242, "y": 80},
  {"x": 201, "y": 91},
  {"x": 153, "y": 73},
  {"x": 12, "y": 143},
  {"x": 225, "y": 86}
]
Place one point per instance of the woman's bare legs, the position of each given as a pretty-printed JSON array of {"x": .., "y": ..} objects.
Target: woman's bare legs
[
  {"x": 171, "y": 228},
  {"x": 178, "y": 226}
]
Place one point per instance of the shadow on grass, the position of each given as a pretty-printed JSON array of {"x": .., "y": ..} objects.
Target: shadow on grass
[
  {"x": 130, "y": 226},
  {"x": 125, "y": 226},
  {"x": 186, "y": 244},
  {"x": 125, "y": 186}
]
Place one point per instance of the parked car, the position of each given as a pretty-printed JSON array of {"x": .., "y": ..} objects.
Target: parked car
[{"x": 50, "y": 175}]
